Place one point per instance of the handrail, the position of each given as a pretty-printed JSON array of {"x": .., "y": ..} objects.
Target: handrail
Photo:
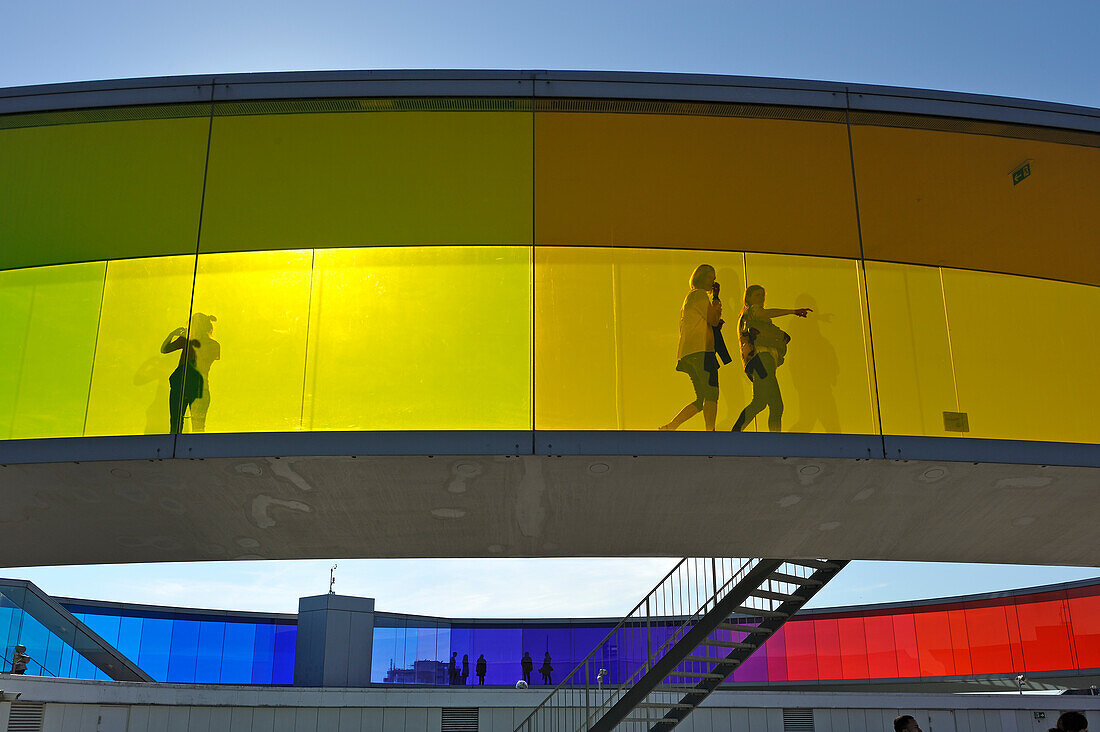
[{"x": 634, "y": 616}]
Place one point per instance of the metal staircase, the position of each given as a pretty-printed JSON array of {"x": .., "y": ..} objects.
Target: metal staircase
[{"x": 679, "y": 643}]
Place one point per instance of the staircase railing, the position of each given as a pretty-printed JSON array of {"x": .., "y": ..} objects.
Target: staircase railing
[{"x": 690, "y": 589}]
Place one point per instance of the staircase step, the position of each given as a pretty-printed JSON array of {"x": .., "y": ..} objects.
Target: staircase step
[
  {"x": 695, "y": 675},
  {"x": 728, "y": 644},
  {"x": 814, "y": 563},
  {"x": 781, "y": 596},
  {"x": 793, "y": 579},
  {"x": 757, "y": 612},
  {"x": 738, "y": 628},
  {"x": 678, "y": 688},
  {"x": 654, "y": 720},
  {"x": 711, "y": 659},
  {"x": 657, "y": 705}
]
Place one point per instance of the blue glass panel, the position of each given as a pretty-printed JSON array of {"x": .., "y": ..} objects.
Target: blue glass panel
[
  {"x": 584, "y": 640},
  {"x": 35, "y": 637},
  {"x": 557, "y": 643},
  {"x": 208, "y": 662},
  {"x": 237, "y": 656},
  {"x": 286, "y": 636},
  {"x": 461, "y": 641},
  {"x": 184, "y": 651},
  {"x": 68, "y": 661},
  {"x": 384, "y": 658},
  {"x": 105, "y": 626},
  {"x": 129, "y": 639},
  {"x": 501, "y": 647},
  {"x": 263, "y": 654},
  {"x": 156, "y": 644}
]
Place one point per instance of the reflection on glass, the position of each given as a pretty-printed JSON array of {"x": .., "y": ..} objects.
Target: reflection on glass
[
  {"x": 700, "y": 338},
  {"x": 190, "y": 382}
]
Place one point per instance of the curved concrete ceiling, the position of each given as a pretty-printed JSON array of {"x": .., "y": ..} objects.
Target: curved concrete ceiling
[{"x": 594, "y": 494}]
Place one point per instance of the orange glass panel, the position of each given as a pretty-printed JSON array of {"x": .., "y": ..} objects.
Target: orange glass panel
[
  {"x": 1045, "y": 635},
  {"x": 948, "y": 198},
  {"x": 801, "y": 651},
  {"x": 1084, "y": 611},
  {"x": 937, "y": 657},
  {"x": 905, "y": 635},
  {"x": 882, "y": 658},
  {"x": 829, "y": 651},
  {"x": 960, "y": 642},
  {"x": 987, "y": 630},
  {"x": 691, "y": 181},
  {"x": 853, "y": 647}
]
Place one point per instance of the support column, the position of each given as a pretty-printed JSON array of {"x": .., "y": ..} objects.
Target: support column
[{"x": 335, "y": 636}]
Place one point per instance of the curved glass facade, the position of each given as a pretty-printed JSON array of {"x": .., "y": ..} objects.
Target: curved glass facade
[
  {"x": 1034, "y": 632},
  {"x": 467, "y": 264}
]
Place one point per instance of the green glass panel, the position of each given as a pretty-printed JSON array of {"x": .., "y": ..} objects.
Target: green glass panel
[{"x": 48, "y": 338}]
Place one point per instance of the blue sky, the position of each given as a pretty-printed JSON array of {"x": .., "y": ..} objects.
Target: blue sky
[{"x": 1033, "y": 50}]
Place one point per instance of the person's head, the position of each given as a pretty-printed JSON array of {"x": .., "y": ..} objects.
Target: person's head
[
  {"x": 20, "y": 648},
  {"x": 1073, "y": 722},
  {"x": 465, "y": 656},
  {"x": 202, "y": 325},
  {"x": 754, "y": 295},
  {"x": 906, "y": 723},
  {"x": 703, "y": 277},
  {"x": 454, "y": 653}
]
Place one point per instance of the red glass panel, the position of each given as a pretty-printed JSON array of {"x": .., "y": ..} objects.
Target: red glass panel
[
  {"x": 934, "y": 644},
  {"x": 882, "y": 659},
  {"x": 1015, "y": 647},
  {"x": 776, "y": 649},
  {"x": 905, "y": 636},
  {"x": 1084, "y": 613},
  {"x": 853, "y": 647},
  {"x": 801, "y": 651},
  {"x": 989, "y": 641},
  {"x": 960, "y": 642},
  {"x": 1044, "y": 633},
  {"x": 827, "y": 637}
]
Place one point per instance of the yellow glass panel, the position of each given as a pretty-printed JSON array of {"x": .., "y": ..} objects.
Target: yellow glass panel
[
  {"x": 143, "y": 301},
  {"x": 104, "y": 190},
  {"x": 947, "y": 198},
  {"x": 47, "y": 338},
  {"x": 359, "y": 179},
  {"x": 606, "y": 337},
  {"x": 681, "y": 181},
  {"x": 912, "y": 350},
  {"x": 1026, "y": 355},
  {"x": 261, "y": 303},
  {"x": 825, "y": 380},
  {"x": 433, "y": 338}
]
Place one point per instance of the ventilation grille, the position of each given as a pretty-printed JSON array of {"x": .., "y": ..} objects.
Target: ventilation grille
[
  {"x": 798, "y": 720},
  {"x": 459, "y": 719},
  {"x": 395, "y": 104},
  {"x": 26, "y": 717},
  {"x": 976, "y": 127},
  {"x": 103, "y": 114}
]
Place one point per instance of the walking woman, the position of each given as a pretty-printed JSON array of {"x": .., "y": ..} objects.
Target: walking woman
[
  {"x": 763, "y": 349},
  {"x": 189, "y": 383},
  {"x": 699, "y": 317}
]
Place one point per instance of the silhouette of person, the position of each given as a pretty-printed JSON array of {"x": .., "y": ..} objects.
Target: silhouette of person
[
  {"x": 480, "y": 670},
  {"x": 188, "y": 383},
  {"x": 527, "y": 665},
  {"x": 1072, "y": 722},
  {"x": 763, "y": 349},
  {"x": 465, "y": 668},
  {"x": 452, "y": 669},
  {"x": 700, "y": 318},
  {"x": 546, "y": 669}
]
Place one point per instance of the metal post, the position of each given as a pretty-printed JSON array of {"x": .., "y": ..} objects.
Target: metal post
[
  {"x": 587, "y": 704},
  {"x": 648, "y": 646}
]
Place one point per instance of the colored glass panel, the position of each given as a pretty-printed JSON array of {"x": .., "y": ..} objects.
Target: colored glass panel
[
  {"x": 103, "y": 190},
  {"x": 914, "y": 376},
  {"x": 775, "y": 650},
  {"x": 801, "y": 651},
  {"x": 263, "y": 654},
  {"x": 826, "y": 377},
  {"x": 253, "y": 354},
  {"x": 47, "y": 336},
  {"x": 1045, "y": 635},
  {"x": 420, "y": 338},
  {"x": 987, "y": 634},
  {"x": 144, "y": 300},
  {"x": 156, "y": 645},
  {"x": 947, "y": 198},
  {"x": 960, "y": 642},
  {"x": 239, "y": 647},
  {"x": 937, "y": 657},
  {"x": 293, "y": 181},
  {"x": 184, "y": 651},
  {"x": 678, "y": 181},
  {"x": 829, "y": 651},
  {"x": 905, "y": 636},
  {"x": 208, "y": 658},
  {"x": 1051, "y": 393},
  {"x": 286, "y": 637},
  {"x": 1084, "y": 612},
  {"x": 882, "y": 657},
  {"x": 853, "y": 647}
]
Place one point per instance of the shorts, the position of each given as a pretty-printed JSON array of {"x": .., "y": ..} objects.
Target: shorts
[{"x": 705, "y": 383}]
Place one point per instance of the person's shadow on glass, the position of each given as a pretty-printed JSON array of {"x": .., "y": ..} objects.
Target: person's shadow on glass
[
  {"x": 815, "y": 374},
  {"x": 189, "y": 383}
]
